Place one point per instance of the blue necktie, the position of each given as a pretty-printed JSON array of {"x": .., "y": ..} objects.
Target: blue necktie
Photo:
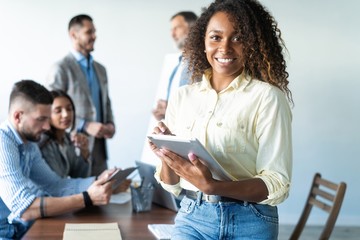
[
  {"x": 172, "y": 77},
  {"x": 94, "y": 89}
]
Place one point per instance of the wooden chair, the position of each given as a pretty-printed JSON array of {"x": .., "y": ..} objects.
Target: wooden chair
[{"x": 327, "y": 196}]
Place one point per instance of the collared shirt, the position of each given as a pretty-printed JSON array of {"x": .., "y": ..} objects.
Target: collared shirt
[
  {"x": 246, "y": 127},
  {"x": 181, "y": 76},
  {"x": 24, "y": 175},
  {"x": 87, "y": 67},
  {"x": 171, "y": 78}
]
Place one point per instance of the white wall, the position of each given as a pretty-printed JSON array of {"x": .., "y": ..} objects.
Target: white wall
[{"x": 322, "y": 38}]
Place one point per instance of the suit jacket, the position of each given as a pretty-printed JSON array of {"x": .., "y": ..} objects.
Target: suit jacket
[
  {"x": 67, "y": 75},
  {"x": 65, "y": 163}
]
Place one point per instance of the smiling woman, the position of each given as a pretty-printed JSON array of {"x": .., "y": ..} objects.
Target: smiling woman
[
  {"x": 240, "y": 112},
  {"x": 62, "y": 111},
  {"x": 66, "y": 154},
  {"x": 224, "y": 50},
  {"x": 322, "y": 64},
  {"x": 258, "y": 52}
]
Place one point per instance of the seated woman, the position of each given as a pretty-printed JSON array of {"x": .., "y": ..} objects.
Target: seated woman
[{"x": 66, "y": 154}]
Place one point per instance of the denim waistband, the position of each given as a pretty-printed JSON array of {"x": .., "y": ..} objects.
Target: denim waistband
[{"x": 211, "y": 198}]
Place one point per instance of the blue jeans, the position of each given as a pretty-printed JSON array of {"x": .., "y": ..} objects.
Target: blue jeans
[
  {"x": 198, "y": 219},
  {"x": 16, "y": 230}
]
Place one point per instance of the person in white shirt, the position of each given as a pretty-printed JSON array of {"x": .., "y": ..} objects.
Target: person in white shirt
[
  {"x": 174, "y": 73},
  {"x": 241, "y": 113}
]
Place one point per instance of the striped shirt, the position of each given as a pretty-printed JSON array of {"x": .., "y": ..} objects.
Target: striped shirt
[{"x": 24, "y": 175}]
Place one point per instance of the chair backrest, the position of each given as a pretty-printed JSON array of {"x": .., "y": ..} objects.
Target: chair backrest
[{"x": 327, "y": 196}]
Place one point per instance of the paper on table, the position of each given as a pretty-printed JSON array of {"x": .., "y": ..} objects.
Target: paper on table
[
  {"x": 120, "y": 198},
  {"x": 161, "y": 231},
  {"x": 92, "y": 231}
]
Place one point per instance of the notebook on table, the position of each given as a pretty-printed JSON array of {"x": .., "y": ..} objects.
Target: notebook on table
[
  {"x": 88, "y": 231},
  {"x": 161, "y": 231},
  {"x": 161, "y": 197}
]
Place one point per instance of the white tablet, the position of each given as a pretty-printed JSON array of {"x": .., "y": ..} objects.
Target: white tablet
[{"x": 183, "y": 147}]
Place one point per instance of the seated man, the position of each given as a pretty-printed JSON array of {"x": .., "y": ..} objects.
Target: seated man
[{"x": 29, "y": 189}]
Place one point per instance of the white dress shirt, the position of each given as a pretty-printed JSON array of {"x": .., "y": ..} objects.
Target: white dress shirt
[{"x": 171, "y": 60}]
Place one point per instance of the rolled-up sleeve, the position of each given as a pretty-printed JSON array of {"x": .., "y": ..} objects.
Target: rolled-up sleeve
[
  {"x": 274, "y": 158},
  {"x": 278, "y": 187},
  {"x": 249, "y": 140},
  {"x": 174, "y": 189}
]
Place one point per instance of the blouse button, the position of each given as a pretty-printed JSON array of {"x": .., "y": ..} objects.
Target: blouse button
[{"x": 219, "y": 124}]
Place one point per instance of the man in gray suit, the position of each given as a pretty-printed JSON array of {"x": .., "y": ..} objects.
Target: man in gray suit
[{"x": 85, "y": 80}]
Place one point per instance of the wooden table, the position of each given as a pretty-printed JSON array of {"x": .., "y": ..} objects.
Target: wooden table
[{"x": 132, "y": 225}]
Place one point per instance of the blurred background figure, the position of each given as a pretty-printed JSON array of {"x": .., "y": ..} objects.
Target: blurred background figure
[
  {"x": 174, "y": 72},
  {"x": 85, "y": 80},
  {"x": 29, "y": 188},
  {"x": 173, "y": 75},
  {"x": 67, "y": 154}
]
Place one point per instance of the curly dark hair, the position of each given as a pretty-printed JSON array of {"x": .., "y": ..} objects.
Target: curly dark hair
[{"x": 261, "y": 39}]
